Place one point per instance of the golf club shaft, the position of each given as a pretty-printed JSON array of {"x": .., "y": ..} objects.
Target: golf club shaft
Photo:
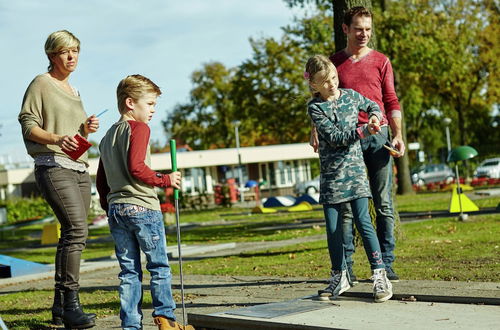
[
  {"x": 173, "y": 155},
  {"x": 177, "y": 216},
  {"x": 387, "y": 137}
]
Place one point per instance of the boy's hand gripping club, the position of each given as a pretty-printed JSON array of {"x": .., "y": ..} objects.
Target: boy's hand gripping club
[{"x": 173, "y": 155}]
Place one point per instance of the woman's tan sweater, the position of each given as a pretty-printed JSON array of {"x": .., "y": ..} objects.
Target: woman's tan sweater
[{"x": 49, "y": 107}]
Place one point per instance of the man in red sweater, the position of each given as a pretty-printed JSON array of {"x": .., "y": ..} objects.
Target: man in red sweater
[{"x": 370, "y": 73}]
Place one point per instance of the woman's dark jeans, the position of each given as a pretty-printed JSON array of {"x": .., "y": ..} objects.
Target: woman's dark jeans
[{"x": 68, "y": 194}]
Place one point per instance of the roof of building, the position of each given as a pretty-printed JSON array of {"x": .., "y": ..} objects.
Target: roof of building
[{"x": 198, "y": 158}]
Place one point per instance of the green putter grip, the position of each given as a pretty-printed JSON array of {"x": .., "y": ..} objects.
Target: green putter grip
[{"x": 173, "y": 158}]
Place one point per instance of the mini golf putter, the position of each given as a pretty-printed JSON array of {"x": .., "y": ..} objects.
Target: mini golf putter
[
  {"x": 388, "y": 145},
  {"x": 392, "y": 150}
]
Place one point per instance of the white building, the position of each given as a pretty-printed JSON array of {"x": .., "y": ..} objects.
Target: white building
[{"x": 280, "y": 166}]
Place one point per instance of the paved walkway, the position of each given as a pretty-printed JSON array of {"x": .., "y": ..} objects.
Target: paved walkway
[{"x": 209, "y": 299}]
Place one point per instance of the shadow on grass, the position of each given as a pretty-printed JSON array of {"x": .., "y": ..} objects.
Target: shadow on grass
[
  {"x": 26, "y": 237},
  {"x": 263, "y": 253},
  {"x": 39, "y": 325},
  {"x": 238, "y": 232},
  {"x": 277, "y": 253}
]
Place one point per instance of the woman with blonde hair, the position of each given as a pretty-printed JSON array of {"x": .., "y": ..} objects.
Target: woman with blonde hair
[{"x": 51, "y": 114}]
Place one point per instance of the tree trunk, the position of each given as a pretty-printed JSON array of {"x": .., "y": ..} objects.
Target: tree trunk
[
  {"x": 339, "y": 9},
  {"x": 403, "y": 163},
  {"x": 403, "y": 167}
]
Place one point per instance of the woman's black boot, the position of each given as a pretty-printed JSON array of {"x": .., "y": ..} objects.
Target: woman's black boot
[
  {"x": 73, "y": 315},
  {"x": 57, "y": 308}
]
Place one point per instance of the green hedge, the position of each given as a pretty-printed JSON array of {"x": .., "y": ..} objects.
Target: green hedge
[{"x": 26, "y": 208}]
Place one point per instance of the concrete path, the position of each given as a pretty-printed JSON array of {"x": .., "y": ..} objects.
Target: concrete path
[
  {"x": 211, "y": 299},
  {"x": 220, "y": 302}
]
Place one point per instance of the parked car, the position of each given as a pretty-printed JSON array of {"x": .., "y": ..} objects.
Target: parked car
[
  {"x": 489, "y": 168},
  {"x": 432, "y": 173},
  {"x": 307, "y": 187}
]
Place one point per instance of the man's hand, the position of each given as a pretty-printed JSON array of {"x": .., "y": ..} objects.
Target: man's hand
[
  {"x": 313, "y": 140},
  {"x": 397, "y": 140},
  {"x": 398, "y": 143},
  {"x": 175, "y": 179}
]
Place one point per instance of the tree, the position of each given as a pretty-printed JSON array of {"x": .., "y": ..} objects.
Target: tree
[
  {"x": 446, "y": 55},
  {"x": 270, "y": 89},
  {"x": 266, "y": 93},
  {"x": 205, "y": 122},
  {"x": 339, "y": 9}
]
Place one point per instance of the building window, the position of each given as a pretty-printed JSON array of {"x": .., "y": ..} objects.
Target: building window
[
  {"x": 281, "y": 169},
  {"x": 296, "y": 165},
  {"x": 289, "y": 172},
  {"x": 272, "y": 174},
  {"x": 263, "y": 171}
]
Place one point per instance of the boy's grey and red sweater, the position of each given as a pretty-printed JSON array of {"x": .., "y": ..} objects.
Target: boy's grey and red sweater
[{"x": 124, "y": 174}]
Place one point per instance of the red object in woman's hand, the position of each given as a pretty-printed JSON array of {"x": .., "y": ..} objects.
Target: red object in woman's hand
[{"x": 83, "y": 145}]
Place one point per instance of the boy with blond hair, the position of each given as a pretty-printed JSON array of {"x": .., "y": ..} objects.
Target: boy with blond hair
[{"x": 125, "y": 183}]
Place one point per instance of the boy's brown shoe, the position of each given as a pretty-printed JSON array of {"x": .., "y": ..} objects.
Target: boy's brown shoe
[{"x": 164, "y": 323}]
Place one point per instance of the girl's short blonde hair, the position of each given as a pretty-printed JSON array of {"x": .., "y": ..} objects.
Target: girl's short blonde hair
[
  {"x": 58, "y": 41},
  {"x": 134, "y": 86}
]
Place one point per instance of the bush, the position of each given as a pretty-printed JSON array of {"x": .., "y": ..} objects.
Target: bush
[{"x": 26, "y": 208}]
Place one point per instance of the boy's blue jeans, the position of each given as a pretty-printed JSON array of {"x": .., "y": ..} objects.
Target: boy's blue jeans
[
  {"x": 379, "y": 164},
  {"x": 135, "y": 228},
  {"x": 334, "y": 233}
]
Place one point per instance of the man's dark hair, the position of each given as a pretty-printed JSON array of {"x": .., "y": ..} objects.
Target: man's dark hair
[{"x": 356, "y": 11}]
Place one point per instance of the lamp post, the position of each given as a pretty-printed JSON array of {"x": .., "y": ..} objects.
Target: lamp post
[
  {"x": 461, "y": 153},
  {"x": 447, "y": 122},
  {"x": 240, "y": 173}
]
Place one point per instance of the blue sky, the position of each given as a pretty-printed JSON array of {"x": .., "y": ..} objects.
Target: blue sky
[{"x": 165, "y": 40}]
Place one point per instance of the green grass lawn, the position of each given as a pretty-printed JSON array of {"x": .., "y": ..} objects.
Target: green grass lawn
[
  {"x": 434, "y": 249},
  {"x": 438, "y": 249},
  {"x": 231, "y": 225}
]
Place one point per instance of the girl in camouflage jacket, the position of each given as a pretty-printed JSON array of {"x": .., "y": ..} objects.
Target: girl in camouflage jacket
[{"x": 334, "y": 113}]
